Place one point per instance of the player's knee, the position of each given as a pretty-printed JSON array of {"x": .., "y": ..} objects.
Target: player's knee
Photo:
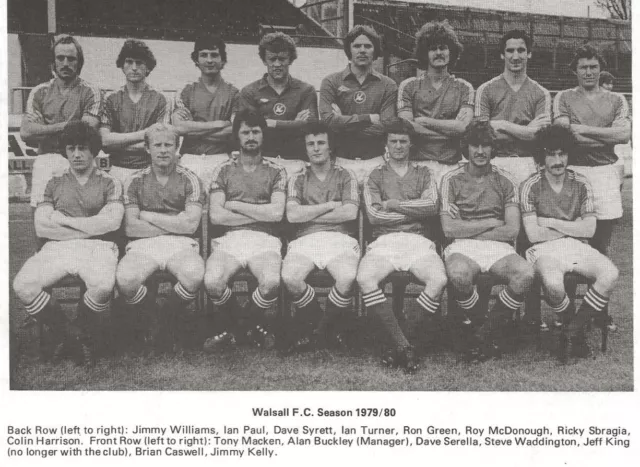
[
  {"x": 438, "y": 280},
  {"x": 345, "y": 279},
  {"x": 522, "y": 276},
  {"x": 460, "y": 275},
  {"x": 269, "y": 283},
  {"x": 366, "y": 278},
  {"x": 25, "y": 287},
  {"x": 128, "y": 281},
  {"x": 609, "y": 276},
  {"x": 292, "y": 280},
  {"x": 193, "y": 275},
  {"x": 214, "y": 283}
]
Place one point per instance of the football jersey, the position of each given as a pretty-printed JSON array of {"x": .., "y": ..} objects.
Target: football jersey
[
  {"x": 183, "y": 187},
  {"x": 495, "y": 100},
  {"x": 72, "y": 199},
  {"x": 356, "y": 136},
  {"x": 418, "y": 96},
  {"x": 286, "y": 139},
  {"x": 486, "y": 197},
  {"x": 121, "y": 115},
  {"x": 195, "y": 102},
  {"x": 47, "y": 105},
  {"x": 608, "y": 109},
  {"x": 250, "y": 187},
  {"x": 416, "y": 190},
  {"x": 574, "y": 201},
  {"x": 306, "y": 188}
]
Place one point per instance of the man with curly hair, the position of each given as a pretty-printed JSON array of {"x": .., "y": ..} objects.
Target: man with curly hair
[
  {"x": 287, "y": 104},
  {"x": 439, "y": 105},
  {"x": 129, "y": 111},
  {"x": 357, "y": 101}
]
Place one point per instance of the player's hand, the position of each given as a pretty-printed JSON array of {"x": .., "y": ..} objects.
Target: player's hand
[
  {"x": 303, "y": 115},
  {"x": 375, "y": 118},
  {"x": 454, "y": 211},
  {"x": 335, "y": 204},
  {"x": 541, "y": 121},
  {"x": 545, "y": 222},
  {"x": 497, "y": 125},
  {"x": 336, "y": 109},
  {"x": 58, "y": 218},
  {"x": 271, "y": 123},
  {"x": 230, "y": 206},
  {"x": 391, "y": 204}
]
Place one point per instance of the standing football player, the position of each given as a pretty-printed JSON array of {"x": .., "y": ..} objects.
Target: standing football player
[
  {"x": 559, "y": 217},
  {"x": 322, "y": 205},
  {"x": 357, "y": 101},
  {"x": 203, "y": 110},
  {"x": 480, "y": 212},
  {"x": 247, "y": 200},
  {"x": 401, "y": 200},
  {"x": 163, "y": 207},
  {"x": 76, "y": 214},
  {"x": 52, "y": 105},
  {"x": 516, "y": 106},
  {"x": 129, "y": 111},
  {"x": 599, "y": 120},
  {"x": 439, "y": 104}
]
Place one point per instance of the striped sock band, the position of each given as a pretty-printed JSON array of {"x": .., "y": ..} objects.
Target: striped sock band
[
  {"x": 224, "y": 298},
  {"x": 138, "y": 297},
  {"x": 38, "y": 303},
  {"x": 338, "y": 299},
  {"x": 507, "y": 299},
  {"x": 563, "y": 305},
  {"x": 262, "y": 302},
  {"x": 306, "y": 298},
  {"x": 183, "y": 293},
  {"x": 428, "y": 303},
  {"x": 470, "y": 302},
  {"x": 595, "y": 300},
  {"x": 373, "y": 298},
  {"x": 95, "y": 306}
]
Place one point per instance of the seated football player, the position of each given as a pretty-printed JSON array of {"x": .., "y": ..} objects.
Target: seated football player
[
  {"x": 77, "y": 215},
  {"x": 401, "y": 201},
  {"x": 322, "y": 205},
  {"x": 247, "y": 200},
  {"x": 163, "y": 207},
  {"x": 481, "y": 215},
  {"x": 559, "y": 217}
]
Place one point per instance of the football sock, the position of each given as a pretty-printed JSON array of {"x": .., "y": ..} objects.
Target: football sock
[
  {"x": 138, "y": 297},
  {"x": 428, "y": 303},
  {"x": 38, "y": 303},
  {"x": 375, "y": 302}
]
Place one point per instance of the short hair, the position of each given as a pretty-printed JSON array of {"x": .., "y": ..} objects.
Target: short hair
[
  {"x": 160, "y": 128},
  {"x": 318, "y": 128},
  {"x": 552, "y": 138},
  {"x": 587, "y": 51},
  {"x": 436, "y": 33},
  {"x": 77, "y": 132},
  {"x": 362, "y": 30},
  {"x": 478, "y": 132},
  {"x": 209, "y": 42},
  {"x": 65, "y": 39},
  {"x": 516, "y": 34},
  {"x": 397, "y": 127},
  {"x": 606, "y": 77},
  {"x": 137, "y": 50},
  {"x": 277, "y": 42},
  {"x": 250, "y": 118}
]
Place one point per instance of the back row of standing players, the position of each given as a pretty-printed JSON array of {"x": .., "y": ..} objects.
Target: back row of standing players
[{"x": 359, "y": 105}]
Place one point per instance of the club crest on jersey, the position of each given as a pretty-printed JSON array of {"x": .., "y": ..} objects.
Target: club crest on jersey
[
  {"x": 359, "y": 97},
  {"x": 279, "y": 109}
]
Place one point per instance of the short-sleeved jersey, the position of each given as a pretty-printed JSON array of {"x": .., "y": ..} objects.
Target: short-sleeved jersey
[
  {"x": 416, "y": 190},
  {"x": 418, "y": 96},
  {"x": 607, "y": 110},
  {"x": 356, "y": 137},
  {"x": 255, "y": 187},
  {"x": 495, "y": 100},
  {"x": 478, "y": 198},
  {"x": 195, "y": 102},
  {"x": 286, "y": 139},
  {"x": 306, "y": 188},
  {"x": 121, "y": 115},
  {"x": 48, "y": 105},
  {"x": 574, "y": 201},
  {"x": 142, "y": 190},
  {"x": 72, "y": 199}
]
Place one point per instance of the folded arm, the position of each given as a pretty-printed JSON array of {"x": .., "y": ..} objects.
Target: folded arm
[
  {"x": 46, "y": 227},
  {"x": 508, "y": 231},
  {"x": 135, "y": 227},
  {"x": 107, "y": 220},
  {"x": 183, "y": 223},
  {"x": 583, "y": 227},
  {"x": 219, "y": 215},
  {"x": 537, "y": 233},
  {"x": 271, "y": 212}
]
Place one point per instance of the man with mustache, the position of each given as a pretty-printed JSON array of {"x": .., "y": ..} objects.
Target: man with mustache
[
  {"x": 203, "y": 110},
  {"x": 599, "y": 119},
  {"x": 357, "y": 102},
  {"x": 129, "y": 111},
  {"x": 480, "y": 213},
  {"x": 52, "y": 105},
  {"x": 439, "y": 105},
  {"x": 515, "y": 105},
  {"x": 559, "y": 217},
  {"x": 288, "y": 104},
  {"x": 247, "y": 200}
]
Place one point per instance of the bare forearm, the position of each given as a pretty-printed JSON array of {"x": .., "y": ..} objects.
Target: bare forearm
[
  {"x": 339, "y": 215},
  {"x": 304, "y": 213},
  {"x": 259, "y": 212},
  {"x": 137, "y": 228},
  {"x": 537, "y": 234},
  {"x": 612, "y": 135},
  {"x": 113, "y": 140},
  {"x": 93, "y": 226},
  {"x": 188, "y": 127},
  {"x": 416, "y": 209},
  {"x": 581, "y": 228},
  {"x": 505, "y": 233},
  {"x": 221, "y": 216},
  {"x": 181, "y": 224},
  {"x": 35, "y": 132},
  {"x": 524, "y": 133},
  {"x": 442, "y": 127},
  {"x": 459, "y": 228}
]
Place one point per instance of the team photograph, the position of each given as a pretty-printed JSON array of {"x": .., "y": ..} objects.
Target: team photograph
[{"x": 344, "y": 195}]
